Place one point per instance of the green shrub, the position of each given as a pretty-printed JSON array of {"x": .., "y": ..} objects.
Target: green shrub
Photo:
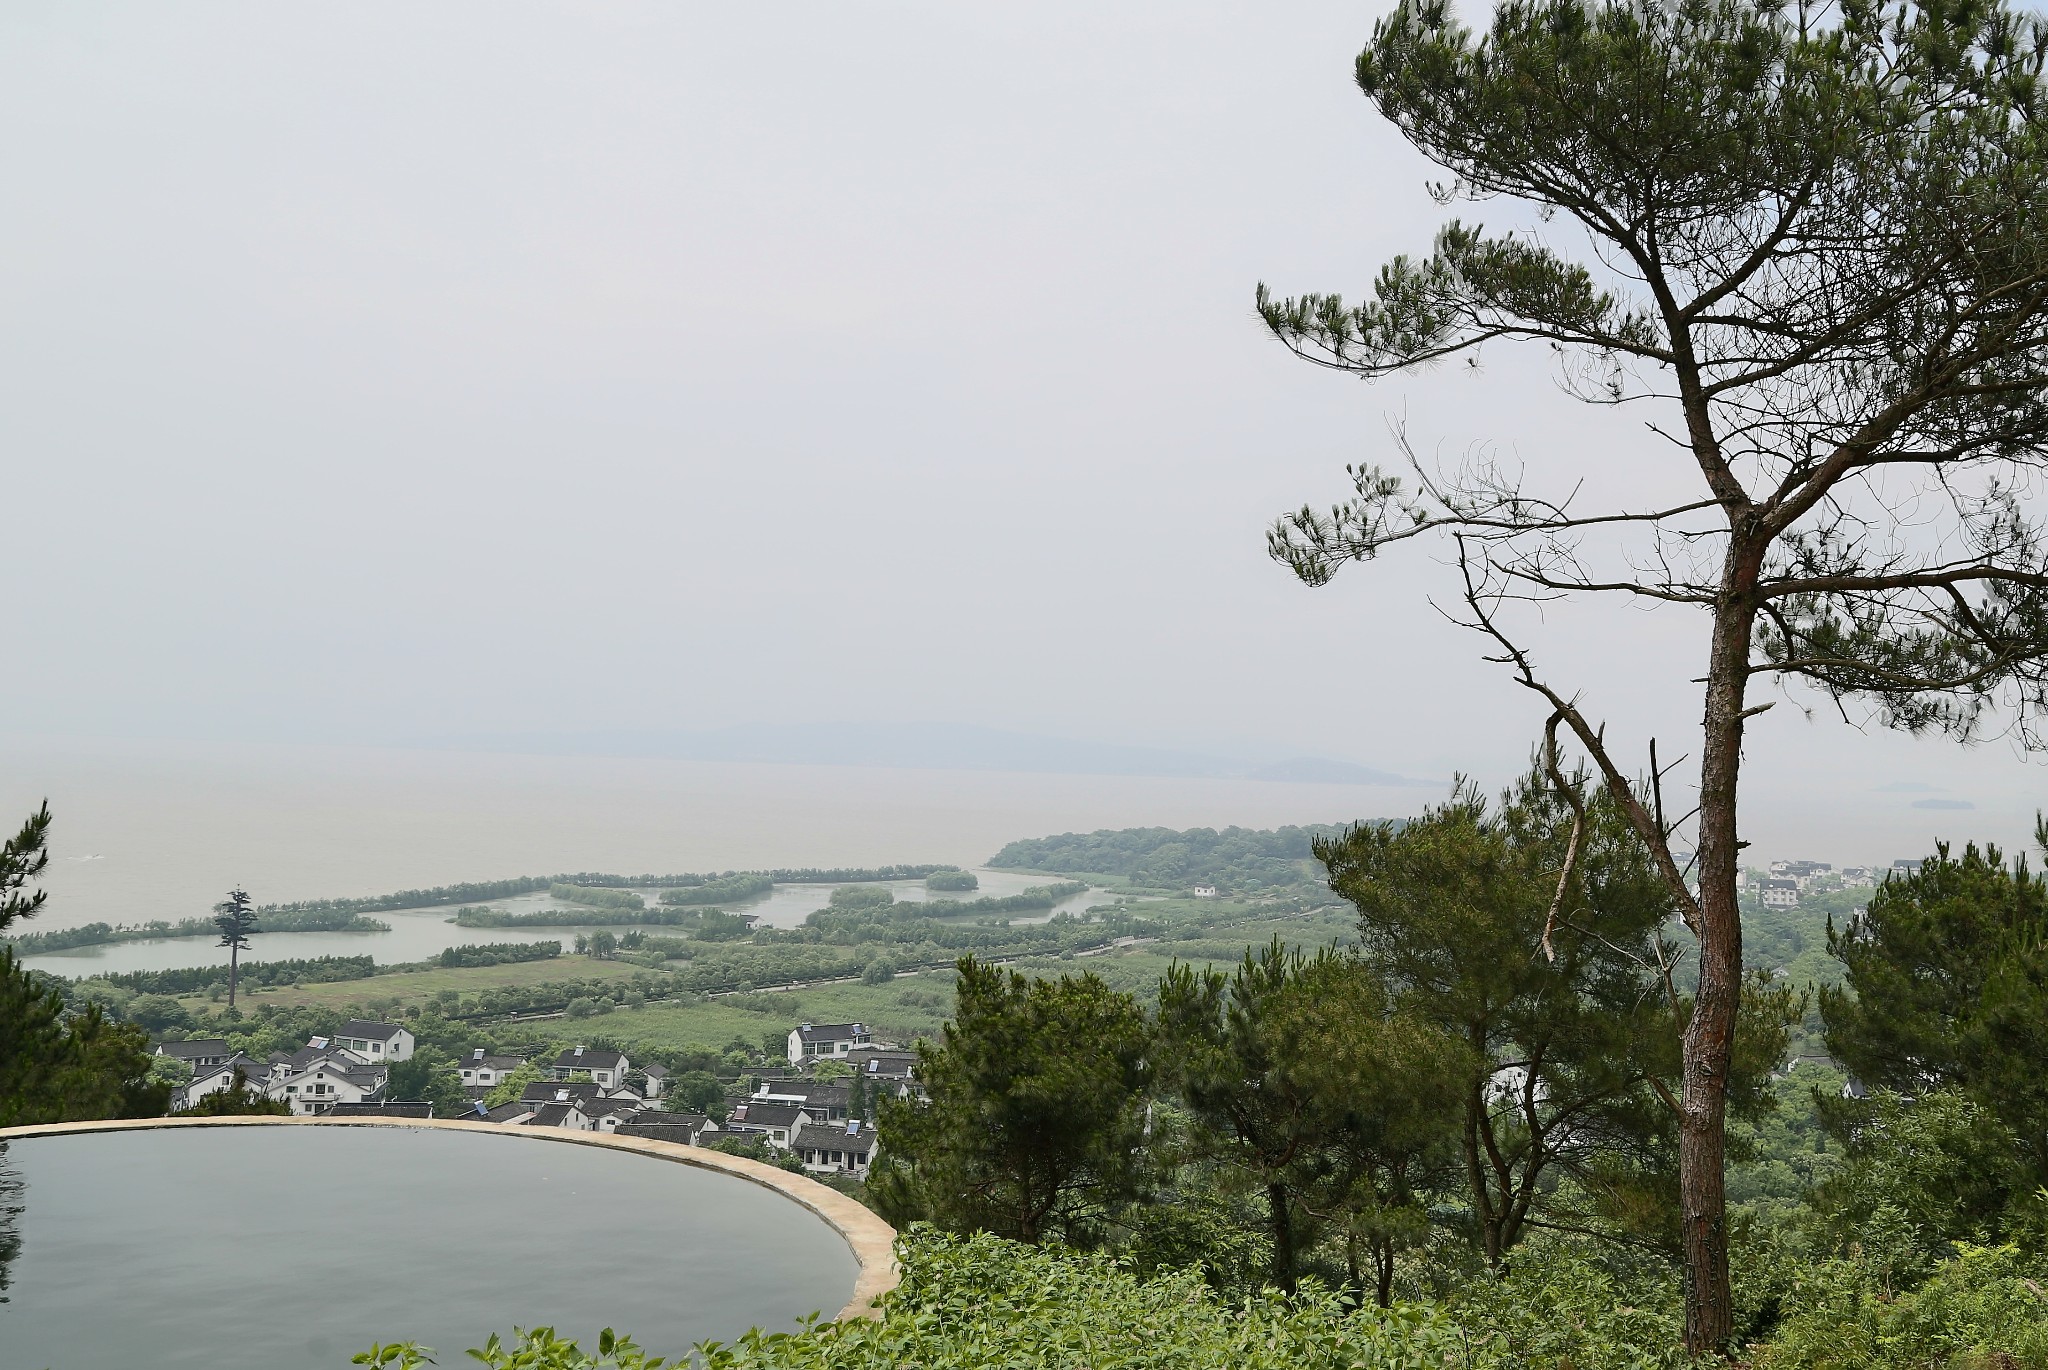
[
  {"x": 978, "y": 1303},
  {"x": 1984, "y": 1310}
]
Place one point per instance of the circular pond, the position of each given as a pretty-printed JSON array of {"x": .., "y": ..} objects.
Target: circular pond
[{"x": 279, "y": 1247}]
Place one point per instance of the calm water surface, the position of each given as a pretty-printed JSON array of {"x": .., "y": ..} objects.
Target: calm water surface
[
  {"x": 162, "y": 831},
  {"x": 418, "y": 934},
  {"x": 292, "y": 1248}
]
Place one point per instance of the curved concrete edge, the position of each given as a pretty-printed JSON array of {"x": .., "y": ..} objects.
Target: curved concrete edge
[{"x": 872, "y": 1241}]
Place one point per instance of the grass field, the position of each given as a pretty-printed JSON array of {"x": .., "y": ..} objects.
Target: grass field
[
  {"x": 412, "y": 988},
  {"x": 1201, "y": 932}
]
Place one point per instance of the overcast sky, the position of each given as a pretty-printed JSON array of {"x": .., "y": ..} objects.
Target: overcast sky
[{"x": 386, "y": 372}]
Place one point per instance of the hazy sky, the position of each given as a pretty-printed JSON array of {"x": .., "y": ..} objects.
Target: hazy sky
[{"x": 381, "y": 372}]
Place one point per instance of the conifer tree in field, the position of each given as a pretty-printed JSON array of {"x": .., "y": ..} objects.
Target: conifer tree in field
[
  {"x": 236, "y": 920},
  {"x": 1810, "y": 244}
]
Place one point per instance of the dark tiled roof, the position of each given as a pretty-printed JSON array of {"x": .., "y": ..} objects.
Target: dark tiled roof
[
  {"x": 382, "y": 1110},
  {"x": 681, "y": 1133},
  {"x": 817, "y": 1091},
  {"x": 759, "y": 1113},
  {"x": 375, "y": 1032},
  {"x": 831, "y": 1032},
  {"x": 193, "y": 1050},
  {"x": 506, "y": 1113},
  {"x": 654, "y": 1117},
  {"x": 833, "y": 1137},
  {"x": 544, "y": 1091},
  {"x": 591, "y": 1059},
  {"x": 550, "y": 1115}
]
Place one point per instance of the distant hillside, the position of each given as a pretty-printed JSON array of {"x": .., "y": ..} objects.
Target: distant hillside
[{"x": 1235, "y": 859}]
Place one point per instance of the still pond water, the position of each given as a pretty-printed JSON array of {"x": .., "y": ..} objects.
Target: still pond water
[{"x": 292, "y": 1248}]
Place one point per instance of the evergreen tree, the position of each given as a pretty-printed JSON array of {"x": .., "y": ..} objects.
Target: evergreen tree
[
  {"x": 1947, "y": 988},
  {"x": 236, "y": 920},
  {"x": 1036, "y": 1112},
  {"x": 1813, "y": 241},
  {"x": 58, "y": 1067},
  {"x": 1563, "y": 998},
  {"x": 1303, "y": 1079}
]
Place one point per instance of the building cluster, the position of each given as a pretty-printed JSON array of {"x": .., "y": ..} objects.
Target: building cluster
[
  {"x": 1788, "y": 880},
  {"x": 586, "y": 1089}
]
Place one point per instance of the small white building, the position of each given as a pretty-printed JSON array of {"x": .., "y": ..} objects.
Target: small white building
[
  {"x": 1781, "y": 893},
  {"x": 607, "y": 1069},
  {"x": 826, "y": 1041},
  {"x": 214, "y": 1078},
  {"x": 375, "y": 1041},
  {"x": 201, "y": 1053},
  {"x": 835, "y": 1148},
  {"x": 316, "y": 1078},
  {"x": 481, "y": 1070},
  {"x": 1205, "y": 890},
  {"x": 774, "y": 1123}
]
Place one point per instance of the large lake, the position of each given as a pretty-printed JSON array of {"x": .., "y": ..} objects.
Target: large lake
[
  {"x": 417, "y": 934},
  {"x": 162, "y": 831}
]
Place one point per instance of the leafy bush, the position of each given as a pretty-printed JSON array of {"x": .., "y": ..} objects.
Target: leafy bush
[
  {"x": 596, "y": 898},
  {"x": 974, "y": 1302},
  {"x": 1984, "y": 1310},
  {"x": 497, "y": 953},
  {"x": 721, "y": 891},
  {"x": 952, "y": 880}
]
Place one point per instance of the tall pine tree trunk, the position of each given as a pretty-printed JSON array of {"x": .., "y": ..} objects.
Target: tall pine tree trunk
[
  {"x": 234, "y": 962},
  {"x": 1709, "y": 1041},
  {"x": 1283, "y": 1236}
]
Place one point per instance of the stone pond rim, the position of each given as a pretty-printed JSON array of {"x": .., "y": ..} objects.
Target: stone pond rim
[{"x": 872, "y": 1241}]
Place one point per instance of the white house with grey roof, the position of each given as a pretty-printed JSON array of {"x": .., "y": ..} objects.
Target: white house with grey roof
[
  {"x": 375, "y": 1042},
  {"x": 319, "y": 1076},
  {"x": 201, "y": 1053},
  {"x": 214, "y": 1078},
  {"x": 825, "y": 1041},
  {"x": 481, "y": 1070},
  {"x": 835, "y": 1148},
  {"x": 773, "y": 1122},
  {"x": 607, "y": 1068}
]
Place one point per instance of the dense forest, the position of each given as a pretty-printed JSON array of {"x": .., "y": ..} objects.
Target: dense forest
[{"x": 1236, "y": 860}]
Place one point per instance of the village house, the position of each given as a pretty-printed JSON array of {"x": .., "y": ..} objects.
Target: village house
[
  {"x": 383, "y": 1110},
  {"x": 883, "y": 1063},
  {"x": 835, "y": 1149},
  {"x": 824, "y": 1100},
  {"x": 1205, "y": 890},
  {"x": 202, "y": 1053},
  {"x": 686, "y": 1129},
  {"x": 1781, "y": 893},
  {"x": 657, "y": 1081},
  {"x": 375, "y": 1042},
  {"x": 774, "y": 1122},
  {"x": 321, "y": 1074},
  {"x": 220, "y": 1075},
  {"x": 824, "y": 1041},
  {"x": 481, "y": 1070},
  {"x": 607, "y": 1068}
]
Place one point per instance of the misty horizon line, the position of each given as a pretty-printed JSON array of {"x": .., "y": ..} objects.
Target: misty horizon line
[{"x": 924, "y": 746}]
